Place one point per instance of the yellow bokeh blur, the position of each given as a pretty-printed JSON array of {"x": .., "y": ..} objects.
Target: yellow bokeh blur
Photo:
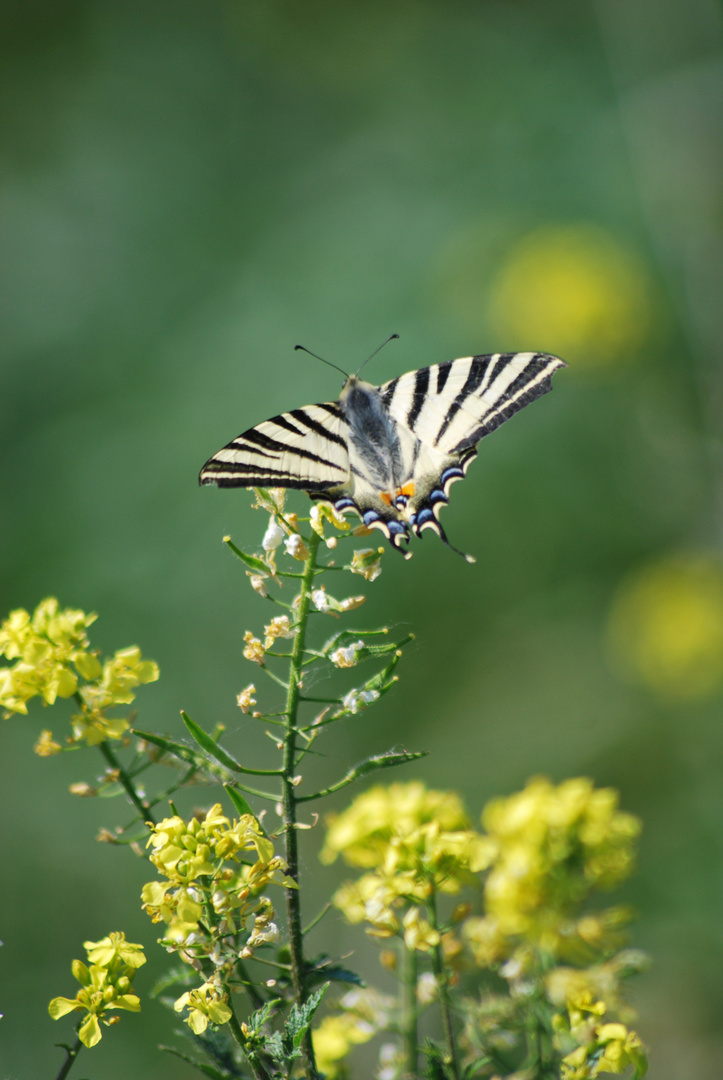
[
  {"x": 575, "y": 291},
  {"x": 666, "y": 627}
]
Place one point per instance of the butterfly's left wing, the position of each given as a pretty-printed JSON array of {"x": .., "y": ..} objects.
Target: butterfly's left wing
[
  {"x": 450, "y": 407},
  {"x": 305, "y": 449}
]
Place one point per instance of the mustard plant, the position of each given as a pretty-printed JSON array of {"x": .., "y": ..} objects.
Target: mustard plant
[{"x": 502, "y": 964}]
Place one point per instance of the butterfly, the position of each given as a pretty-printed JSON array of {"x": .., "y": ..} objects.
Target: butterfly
[{"x": 389, "y": 452}]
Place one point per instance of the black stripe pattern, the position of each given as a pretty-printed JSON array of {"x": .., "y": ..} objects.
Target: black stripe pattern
[{"x": 391, "y": 453}]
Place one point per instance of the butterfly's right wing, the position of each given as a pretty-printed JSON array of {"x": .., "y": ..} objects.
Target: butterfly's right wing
[
  {"x": 451, "y": 406},
  {"x": 305, "y": 449}
]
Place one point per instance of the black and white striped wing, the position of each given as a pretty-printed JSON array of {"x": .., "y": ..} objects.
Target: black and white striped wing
[
  {"x": 304, "y": 449},
  {"x": 451, "y": 406}
]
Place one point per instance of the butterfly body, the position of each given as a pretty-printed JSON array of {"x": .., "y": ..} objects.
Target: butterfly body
[{"x": 389, "y": 452}]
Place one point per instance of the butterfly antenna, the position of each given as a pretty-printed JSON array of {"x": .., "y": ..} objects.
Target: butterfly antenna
[
  {"x": 327, "y": 362},
  {"x": 386, "y": 342}
]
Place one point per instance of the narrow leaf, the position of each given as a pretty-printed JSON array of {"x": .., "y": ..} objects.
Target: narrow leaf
[
  {"x": 238, "y": 800},
  {"x": 252, "y": 561},
  {"x": 387, "y": 761},
  {"x": 187, "y": 754},
  {"x": 209, "y": 744}
]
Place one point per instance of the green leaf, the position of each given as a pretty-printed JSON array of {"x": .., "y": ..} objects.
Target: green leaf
[
  {"x": 299, "y": 1019},
  {"x": 386, "y": 761},
  {"x": 202, "y": 1066},
  {"x": 252, "y": 561},
  {"x": 209, "y": 745},
  {"x": 274, "y": 1045},
  {"x": 257, "y": 1019},
  {"x": 238, "y": 800},
  {"x": 185, "y": 753},
  {"x": 323, "y": 969}
]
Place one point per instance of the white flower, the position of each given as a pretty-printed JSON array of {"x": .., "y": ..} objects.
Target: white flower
[
  {"x": 296, "y": 547},
  {"x": 258, "y": 584},
  {"x": 273, "y": 535},
  {"x": 347, "y": 657},
  {"x": 320, "y": 599},
  {"x": 426, "y": 988},
  {"x": 357, "y": 700}
]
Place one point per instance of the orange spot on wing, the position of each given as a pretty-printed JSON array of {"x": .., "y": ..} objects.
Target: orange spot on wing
[
  {"x": 408, "y": 489},
  {"x": 385, "y": 497}
]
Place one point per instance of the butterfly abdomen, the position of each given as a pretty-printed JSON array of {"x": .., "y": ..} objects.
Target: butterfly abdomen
[{"x": 372, "y": 433}]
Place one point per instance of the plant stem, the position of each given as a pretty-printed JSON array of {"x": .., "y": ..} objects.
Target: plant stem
[
  {"x": 72, "y": 1052},
  {"x": 440, "y": 975},
  {"x": 409, "y": 1011},
  {"x": 289, "y": 801},
  {"x": 126, "y": 783},
  {"x": 257, "y": 1068}
]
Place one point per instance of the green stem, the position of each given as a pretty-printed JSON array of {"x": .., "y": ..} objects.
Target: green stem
[
  {"x": 72, "y": 1052},
  {"x": 440, "y": 974},
  {"x": 257, "y": 1068},
  {"x": 409, "y": 1010},
  {"x": 126, "y": 783},
  {"x": 289, "y": 800}
]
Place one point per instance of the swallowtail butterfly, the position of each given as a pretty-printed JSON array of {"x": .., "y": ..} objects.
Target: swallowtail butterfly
[{"x": 389, "y": 452}]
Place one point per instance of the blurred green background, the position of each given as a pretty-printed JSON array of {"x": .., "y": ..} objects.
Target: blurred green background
[{"x": 188, "y": 189}]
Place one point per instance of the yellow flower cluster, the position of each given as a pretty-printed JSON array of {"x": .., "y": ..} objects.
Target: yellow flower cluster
[
  {"x": 552, "y": 847},
  {"x": 105, "y": 985},
  {"x": 114, "y": 685},
  {"x": 364, "y": 1013},
  {"x": 54, "y": 660},
  {"x": 601, "y": 1047},
  {"x": 210, "y": 900},
  {"x": 419, "y": 843},
  {"x": 51, "y": 648}
]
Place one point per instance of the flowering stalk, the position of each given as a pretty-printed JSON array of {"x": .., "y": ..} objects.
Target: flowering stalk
[
  {"x": 293, "y": 904},
  {"x": 440, "y": 975},
  {"x": 409, "y": 1009}
]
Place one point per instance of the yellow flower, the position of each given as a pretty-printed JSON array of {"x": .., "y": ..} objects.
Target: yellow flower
[
  {"x": 280, "y": 627},
  {"x": 114, "y": 949},
  {"x": 334, "y": 1039},
  {"x": 322, "y": 511},
  {"x": 105, "y": 985},
  {"x": 666, "y": 626},
  {"x": 254, "y": 650},
  {"x": 124, "y": 672},
  {"x": 554, "y": 845},
  {"x": 486, "y": 941},
  {"x": 575, "y": 291},
  {"x": 418, "y": 933},
  {"x": 45, "y": 645},
  {"x": 46, "y": 745},
  {"x": 113, "y": 684},
  {"x": 246, "y": 700},
  {"x": 362, "y": 832},
  {"x": 206, "y": 1005}
]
